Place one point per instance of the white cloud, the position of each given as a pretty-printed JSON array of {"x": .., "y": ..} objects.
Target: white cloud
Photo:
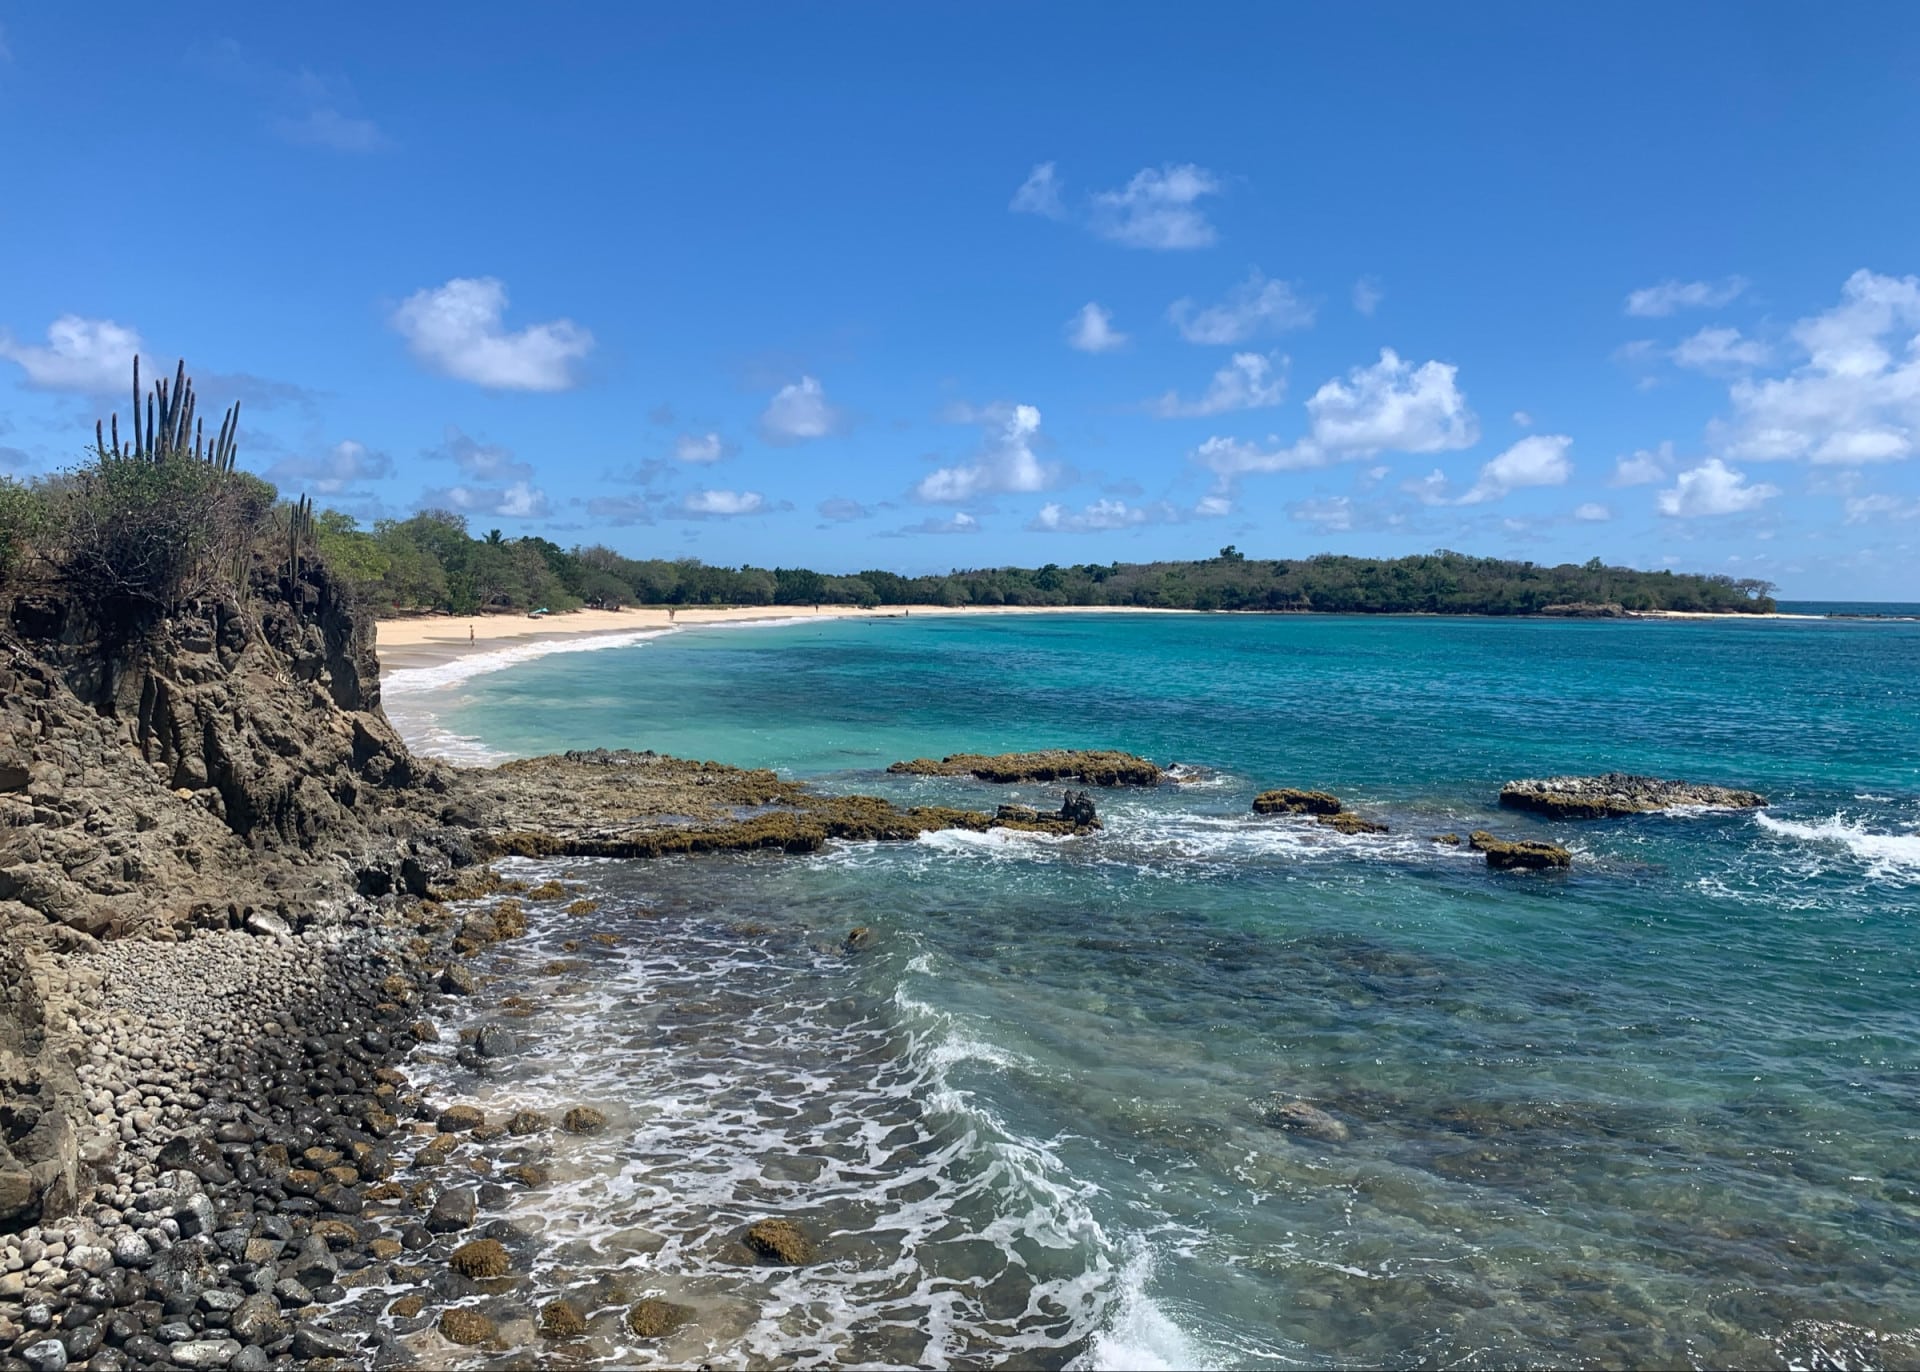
[
  {"x": 1039, "y": 194},
  {"x": 1391, "y": 407},
  {"x": 701, "y": 448},
  {"x": 90, "y": 355},
  {"x": 1387, "y": 407},
  {"x": 1522, "y": 419},
  {"x": 1092, "y": 331},
  {"x": 1254, "y": 307},
  {"x": 1865, "y": 508},
  {"x": 1537, "y": 460},
  {"x": 520, "y": 500},
  {"x": 1657, "y": 302},
  {"x": 1721, "y": 350},
  {"x": 840, "y": 510},
  {"x": 1098, "y": 517},
  {"x": 1156, "y": 209},
  {"x": 960, "y": 522},
  {"x": 1712, "y": 488},
  {"x": 1644, "y": 467},
  {"x": 1367, "y": 295},
  {"x": 1213, "y": 507},
  {"x": 1856, "y": 399},
  {"x": 1334, "y": 514},
  {"x": 1249, "y": 381},
  {"x": 799, "y": 411},
  {"x": 1006, "y": 460},
  {"x": 1592, "y": 513},
  {"x": 723, "y": 504},
  {"x": 334, "y": 471},
  {"x": 456, "y": 330}
]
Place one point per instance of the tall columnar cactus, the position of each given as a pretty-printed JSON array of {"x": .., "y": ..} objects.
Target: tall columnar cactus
[
  {"x": 173, "y": 427},
  {"x": 299, "y": 535}
]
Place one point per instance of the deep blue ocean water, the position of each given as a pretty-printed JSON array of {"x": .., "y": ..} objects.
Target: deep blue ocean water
[{"x": 1661, "y": 1110}]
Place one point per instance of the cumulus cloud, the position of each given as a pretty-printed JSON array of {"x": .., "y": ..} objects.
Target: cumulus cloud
[
  {"x": 721, "y": 504},
  {"x": 519, "y": 500},
  {"x": 1039, "y": 194},
  {"x": 1250, "y": 381},
  {"x": 1644, "y": 467},
  {"x": 1712, "y": 488},
  {"x": 1670, "y": 297},
  {"x": 457, "y": 331},
  {"x": 1333, "y": 514},
  {"x": 1390, "y": 406},
  {"x": 1367, "y": 295},
  {"x": 1721, "y": 350},
  {"x": 334, "y": 471},
  {"x": 1006, "y": 460},
  {"x": 1251, "y": 309},
  {"x": 798, "y": 412},
  {"x": 1538, "y": 460},
  {"x": 1098, "y": 517},
  {"x": 1855, "y": 399},
  {"x": 1592, "y": 513},
  {"x": 1156, "y": 209},
  {"x": 701, "y": 448},
  {"x": 94, "y": 356},
  {"x": 1092, "y": 331}
]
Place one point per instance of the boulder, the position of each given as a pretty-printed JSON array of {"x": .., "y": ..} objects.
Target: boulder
[
  {"x": 1287, "y": 801},
  {"x": 561, "y": 1319},
  {"x": 1519, "y": 854},
  {"x": 655, "y": 1319},
  {"x": 481, "y": 1258},
  {"x": 780, "y": 1241},
  {"x": 1298, "y": 1117},
  {"x": 1347, "y": 822},
  {"x": 583, "y": 1119},
  {"x": 1617, "y": 793},
  {"x": 465, "y": 1327},
  {"x": 453, "y": 1210}
]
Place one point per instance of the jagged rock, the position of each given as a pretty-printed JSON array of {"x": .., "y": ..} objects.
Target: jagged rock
[
  {"x": 1510, "y": 854},
  {"x": 1287, "y": 801},
  {"x": 1089, "y": 767},
  {"x": 780, "y": 1241},
  {"x": 583, "y": 1119},
  {"x": 522, "y": 1122},
  {"x": 1617, "y": 793}
]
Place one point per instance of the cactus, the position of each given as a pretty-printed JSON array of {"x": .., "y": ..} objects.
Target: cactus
[
  {"x": 299, "y": 534},
  {"x": 173, "y": 425}
]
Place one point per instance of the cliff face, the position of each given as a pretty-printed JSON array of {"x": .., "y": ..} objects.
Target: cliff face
[{"x": 228, "y": 767}]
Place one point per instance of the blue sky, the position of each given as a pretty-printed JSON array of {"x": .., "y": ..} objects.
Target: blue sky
[{"x": 935, "y": 286}]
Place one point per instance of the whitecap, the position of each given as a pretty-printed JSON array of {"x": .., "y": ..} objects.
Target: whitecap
[{"x": 1888, "y": 856}]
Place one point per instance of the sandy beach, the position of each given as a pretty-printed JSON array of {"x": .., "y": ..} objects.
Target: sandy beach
[{"x": 430, "y": 640}]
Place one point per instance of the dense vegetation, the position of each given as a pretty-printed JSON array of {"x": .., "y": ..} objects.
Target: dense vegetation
[
  {"x": 168, "y": 517},
  {"x": 430, "y": 561}
]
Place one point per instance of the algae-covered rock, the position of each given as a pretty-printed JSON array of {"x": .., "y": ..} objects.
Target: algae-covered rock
[
  {"x": 467, "y": 1327},
  {"x": 1450, "y": 840},
  {"x": 522, "y": 1122},
  {"x": 1347, "y": 822},
  {"x": 456, "y": 1118},
  {"x": 1288, "y": 801},
  {"x": 561, "y": 1319},
  {"x": 583, "y": 1119},
  {"x": 780, "y": 1241},
  {"x": 481, "y": 1258},
  {"x": 1089, "y": 767},
  {"x": 1514, "y": 854},
  {"x": 1299, "y": 1117},
  {"x": 655, "y": 1319},
  {"x": 1616, "y": 794}
]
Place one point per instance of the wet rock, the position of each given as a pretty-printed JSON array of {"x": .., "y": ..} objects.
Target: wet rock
[
  {"x": 1347, "y": 822},
  {"x": 481, "y": 1258},
  {"x": 314, "y": 1342},
  {"x": 1617, "y": 793},
  {"x": 1519, "y": 854},
  {"x": 1299, "y": 1117},
  {"x": 863, "y": 936},
  {"x": 1451, "y": 840},
  {"x": 466, "y": 1327},
  {"x": 583, "y": 1119},
  {"x": 529, "y": 1174},
  {"x": 780, "y": 1241},
  {"x": 259, "y": 1321},
  {"x": 561, "y": 1319},
  {"x": 655, "y": 1319},
  {"x": 453, "y": 1210},
  {"x": 1288, "y": 801},
  {"x": 459, "y": 1117},
  {"x": 46, "y": 1355},
  {"x": 456, "y": 980},
  {"x": 523, "y": 1122},
  {"x": 406, "y": 1307},
  {"x": 195, "y": 1353},
  {"x": 1089, "y": 767},
  {"x": 496, "y": 1042}
]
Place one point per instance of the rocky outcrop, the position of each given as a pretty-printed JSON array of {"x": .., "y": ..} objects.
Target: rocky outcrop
[
  {"x": 1616, "y": 794},
  {"x": 1585, "y": 609},
  {"x": 1325, "y": 808},
  {"x": 1095, "y": 767},
  {"x": 1504, "y": 854}
]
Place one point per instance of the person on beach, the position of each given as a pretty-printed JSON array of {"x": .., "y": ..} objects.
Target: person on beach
[{"x": 469, "y": 634}]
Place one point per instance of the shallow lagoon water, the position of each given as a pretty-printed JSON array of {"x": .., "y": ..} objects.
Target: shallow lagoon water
[{"x": 1665, "y": 1109}]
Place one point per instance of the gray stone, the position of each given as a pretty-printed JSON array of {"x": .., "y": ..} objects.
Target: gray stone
[
  {"x": 90, "y": 1258},
  {"x": 130, "y": 1250},
  {"x": 292, "y": 1293},
  {"x": 312, "y": 1342},
  {"x": 251, "y": 1359},
  {"x": 453, "y": 1210},
  {"x": 48, "y": 1355},
  {"x": 258, "y": 1320},
  {"x": 496, "y": 1042},
  {"x": 204, "y": 1352},
  {"x": 218, "y": 1298},
  {"x": 268, "y": 925}
]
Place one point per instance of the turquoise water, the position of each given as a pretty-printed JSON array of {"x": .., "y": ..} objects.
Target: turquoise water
[{"x": 1662, "y": 1110}]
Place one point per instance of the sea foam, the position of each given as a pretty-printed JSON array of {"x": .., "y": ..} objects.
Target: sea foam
[{"x": 1888, "y": 856}]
